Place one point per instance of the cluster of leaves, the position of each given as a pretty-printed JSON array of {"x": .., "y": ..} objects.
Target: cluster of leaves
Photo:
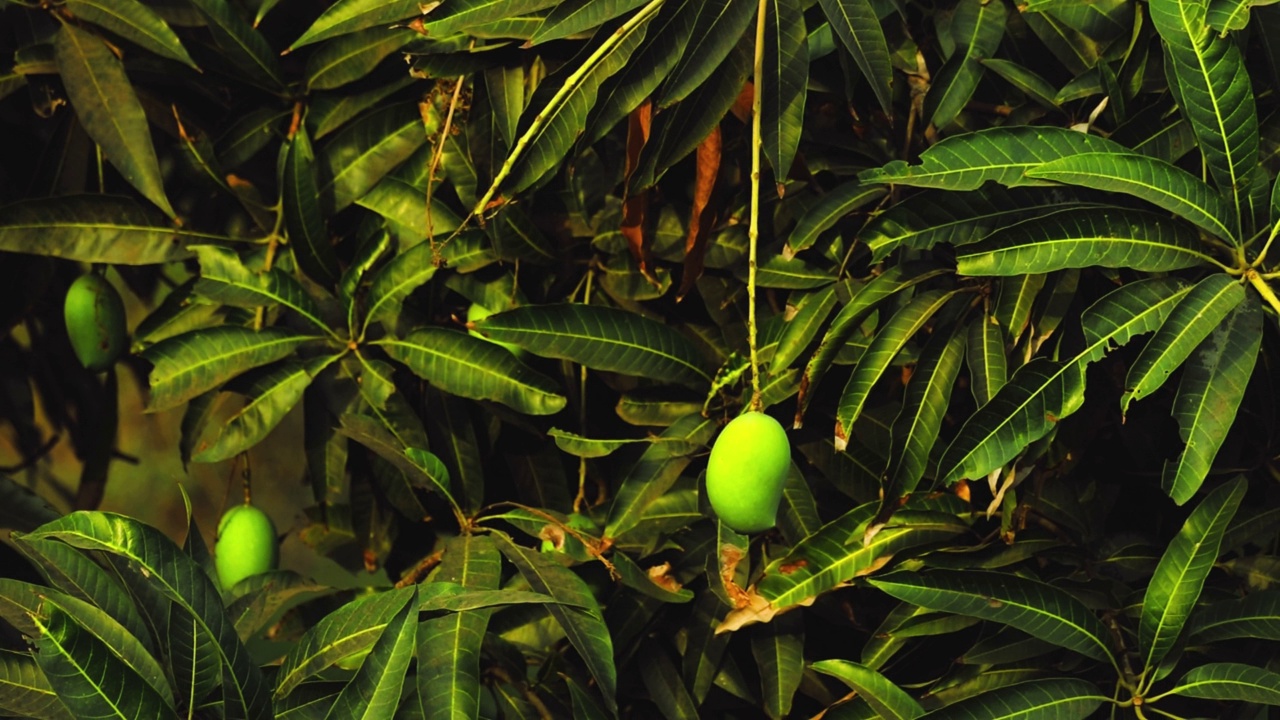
[{"x": 308, "y": 221}]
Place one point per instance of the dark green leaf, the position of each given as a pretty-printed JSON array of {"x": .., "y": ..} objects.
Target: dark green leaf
[
  {"x": 888, "y": 700},
  {"x": 348, "y": 16},
  {"x": 132, "y": 20},
  {"x": 783, "y": 88},
  {"x": 1231, "y": 681},
  {"x": 717, "y": 29},
  {"x": 300, "y": 199},
  {"x": 856, "y": 24}
]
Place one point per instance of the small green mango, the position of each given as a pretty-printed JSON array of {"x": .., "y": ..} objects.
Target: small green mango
[
  {"x": 95, "y": 322},
  {"x": 478, "y": 312},
  {"x": 246, "y": 545},
  {"x": 747, "y": 469}
]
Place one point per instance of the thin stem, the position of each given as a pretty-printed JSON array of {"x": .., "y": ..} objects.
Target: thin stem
[
  {"x": 580, "y": 498},
  {"x": 435, "y": 165},
  {"x": 753, "y": 232},
  {"x": 1262, "y": 254}
]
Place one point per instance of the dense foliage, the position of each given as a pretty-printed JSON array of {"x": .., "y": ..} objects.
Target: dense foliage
[{"x": 1004, "y": 272}]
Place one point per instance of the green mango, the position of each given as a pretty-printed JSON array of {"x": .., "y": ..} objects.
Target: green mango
[
  {"x": 95, "y": 322},
  {"x": 747, "y": 470},
  {"x": 246, "y": 545}
]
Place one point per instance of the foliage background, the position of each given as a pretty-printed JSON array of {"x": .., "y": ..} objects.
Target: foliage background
[{"x": 967, "y": 213}]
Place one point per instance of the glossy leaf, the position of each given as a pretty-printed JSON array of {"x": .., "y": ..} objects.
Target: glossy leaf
[
  {"x": 1032, "y": 606},
  {"x": 1232, "y": 682},
  {"x": 244, "y": 46},
  {"x": 1199, "y": 313},
  {"x": 1159, "y": 183},
  {"x": 887, "y": 699},
  {"x": 1043, "y": 391},
  {"x": 109, "y": 110},
  {"x": 985, "y": 357},
  {"x": 351, "y": 57},
  {"x": 193, "y": 362},
  {"x": 784, "y": 86},
  {"x": 1041, "y": 699},
  {"x": 576, "y": 16},
  {"x": 890, "y": 338},
  {"x": 469, "y": 367},
  {"x": 224, "y": 278},
  {"x": 584, "y": 626},
  {"x": 270, "y": 398},
  {"x": 717, "y": 29},
  {"x": 154, "y": 560},
  {"x": 452, "y": 17},
  {"x": 25, "y": 691},
  {"x": 1002, "y": 154},
  {"x": 132, "y": 20},
  {"x": 600, "y": 338},
  {"x": 348, "y": 16},
  {"x": 1084, "y": 238},
  {"x": 836, "y": 553},
  {"x": 1256, "y": 615},
  {"x": 300, "y": 200},
  {"x": 449, "y": 647},
  {"x": 656, "y": 470},
  {"x": 857, "y": 26},
  {"x": 374, "y": 692},
  {"x": 978, "y": 28},
  {"x": 350, "y": 629},
  {"x": 362, "y": 153},
  {"x": 396, "y": 280},
  {"x": 1214, "y": 380},
  {"x": 811, "y": 312},
  {"x": 1208, "y": 79},
  {"x": 830, "y": 208},
  {"x": 778, "y": 648},
  {"x": 1177, "y": 581}
]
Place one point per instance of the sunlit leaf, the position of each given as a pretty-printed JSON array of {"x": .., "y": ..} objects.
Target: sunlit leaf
[
  {"x": 888, "y": 700},
  {"x": 1231, "y": 681}
]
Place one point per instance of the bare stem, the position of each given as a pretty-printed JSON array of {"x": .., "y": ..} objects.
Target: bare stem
[{"x": 753, "y": 232}]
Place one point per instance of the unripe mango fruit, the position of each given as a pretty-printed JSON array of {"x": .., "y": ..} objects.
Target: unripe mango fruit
[
  {"x": 246, "y": 545},
  {"x": 747, "y": 469},
  {"x": 479, "y": 312},
  {"x": 95, "y": 321}
]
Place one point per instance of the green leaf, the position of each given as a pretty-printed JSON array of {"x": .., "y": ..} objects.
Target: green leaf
[
  {"x": 583, "y": 625},
  {"x": 978, "y": 28},
  {"x": 136, "y": 22},
  {"x": 1031, "y": 84},
  {"x": 663, "y": 684},
  {"x": 830, "y": 208},
  {"x": 449, "y": 647},
  {"x": 224, "y": 278},
  {"x": 1116, "y": 238},
  {"x": 25, "y": 691},
  {"x": 558, "y": 111},
  {"x": 244, "y": 46},
  {"x": 1175, "y": 585},
  {"x": 348, "y": 16},
  {"x": 915, "y": 431},
  {"x": 193, "y": 362},
  {"x": 159, "y": 565},
  {"x": 837, "y": 553},
  {"x": 856, "y": 24},
  {"x": 382, "y": 436},
  {"x": 1156, "y": 181},
  {"x": 889, "y": 283},
  {"x": 1039, "y": 699},
  {"x": 1227, "y": 15},
  {"x": 349, "y": 630},
  {"x": 87, "y": 676},
  {"x": 1214, "y": 380},
  {"x": 783, "y": 88},
  {"x": 270, "y": 398},
  {"x": 473, "y": 368},
  {"x": 94, "y": 228},
  {"x": 374, "y": 692},
  {"x": 109, "y": 110},
  {"x": 985, "y": 356},
  {"x": 601, "y": 338},
  {"x": 260, "y": 599},
  {"x": 811, "y": 311},
  {"x": 362, "y": 153},
  {"x": 888, "y": 700},
  {"x": 585, "y": 447},
  {"x": 351, "y": 57},
  {"x": 458, "y": 15},
  {"x": 1199, "y": 313},
  {"x": 300, "y": 200},
  {"x": 1002, "y": 154},
  {"x": 717, "y": 29},
  {"x": 1256, "y": 615},
  {"x": 1230, "y": 681},
  {"x": 778, "y": 648},
  {"x": 575, "y": 16},
  {"x": 656, "y": 470},
  {"x": 890, "y": 338},
  {"x": 1032, "y": 606},
  {"x": 396, "y": 280},
  {"x": 1207, "y": 77},
  {"x": 1044, "y": 391}
]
